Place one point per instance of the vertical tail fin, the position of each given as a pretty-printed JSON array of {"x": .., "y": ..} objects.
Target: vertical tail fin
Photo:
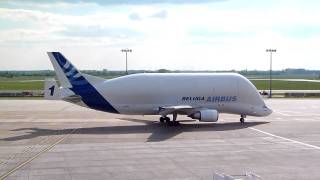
[
  {"x": 68, "y": 75},
  {"x": 82, "y": 86},
  {"x": 61, "y": 66}
]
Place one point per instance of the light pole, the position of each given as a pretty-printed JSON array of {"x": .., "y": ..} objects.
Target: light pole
[
  {"x": 270, "y": 73},
  {"x": 126, "y": 51}
]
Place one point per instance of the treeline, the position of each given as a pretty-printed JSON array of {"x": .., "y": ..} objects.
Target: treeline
[
  {"x": 285, "y": 72},
  {"x": 111, "y": 73},
  {"x": 10, "y": 74}
]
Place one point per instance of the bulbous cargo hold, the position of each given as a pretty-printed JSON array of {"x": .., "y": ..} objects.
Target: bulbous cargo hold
[
  {"x": 224, "y": 92},
  {"x": 201, "y": 96}
]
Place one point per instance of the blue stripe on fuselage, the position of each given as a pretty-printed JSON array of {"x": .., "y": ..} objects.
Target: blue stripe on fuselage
[
  {"x": 80, "y": 86},
  {"x": 92, "y": 98}
]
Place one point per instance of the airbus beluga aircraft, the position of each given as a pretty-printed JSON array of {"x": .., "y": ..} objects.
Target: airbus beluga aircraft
[{"x": 200, "y": 96}]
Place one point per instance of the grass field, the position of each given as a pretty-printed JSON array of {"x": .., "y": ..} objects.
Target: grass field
[
  {"x": 286, "y": 85},
  {"x": 23, "y": 78},
  {"x": 283, "y": 77},
  {"x": 34, "y": 85},
  {"x": 28, "y": 83},
  {"x": 260, "y": 84}
]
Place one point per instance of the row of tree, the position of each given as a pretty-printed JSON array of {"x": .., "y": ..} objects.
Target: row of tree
[{"x": 111, "y": 73}]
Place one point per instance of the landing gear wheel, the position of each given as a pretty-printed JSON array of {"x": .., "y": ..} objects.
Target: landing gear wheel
[
  {"x": 162, "y": 119},
  {"x": 242, "y": 120},
  {"x": 167, "y": 119}
]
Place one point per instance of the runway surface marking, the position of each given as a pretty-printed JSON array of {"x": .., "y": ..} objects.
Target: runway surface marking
[
  {"x": 283, "y": 114},
  {"x": 35, "y": 156},
  {"x": 287, "y": 139},
  {"x": 295, "y": 113}
]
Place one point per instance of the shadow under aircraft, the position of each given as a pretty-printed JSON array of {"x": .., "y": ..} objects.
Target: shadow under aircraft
[{"x": 159, "y": 132}]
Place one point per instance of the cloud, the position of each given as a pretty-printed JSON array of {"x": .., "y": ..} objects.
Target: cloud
[
  {"x": 98, "y": 31},
  {"x": 67, "y": 30},
  {"x": 49, "y": 4},
  {"x": 135, "y": 16},
  {"x": 22, "y": 15},
  {"x": 300, "y": 31},
  {"x": 230, "y": 35},
  {"x": 116, "y": 2},
  {"x": 217, "y": 37},
  {"x": 161, "y": 14}
]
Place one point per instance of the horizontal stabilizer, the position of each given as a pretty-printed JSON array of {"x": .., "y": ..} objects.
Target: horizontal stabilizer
[{"x": 51, "y": 90}]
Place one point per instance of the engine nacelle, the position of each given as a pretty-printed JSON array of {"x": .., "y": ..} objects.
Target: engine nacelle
[{"x": 206, "y": 115}]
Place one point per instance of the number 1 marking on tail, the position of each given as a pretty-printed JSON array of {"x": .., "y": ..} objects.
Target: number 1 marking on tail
[{"x": 51, "y": 90}]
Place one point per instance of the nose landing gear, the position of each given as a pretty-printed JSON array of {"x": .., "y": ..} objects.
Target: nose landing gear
[{"x": 242, "y": 120}]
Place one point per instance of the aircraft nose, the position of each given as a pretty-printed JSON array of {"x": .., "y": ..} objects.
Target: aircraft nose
[
  {"x": 266, "y": 111},
  {"x": 269, "y": 111}
]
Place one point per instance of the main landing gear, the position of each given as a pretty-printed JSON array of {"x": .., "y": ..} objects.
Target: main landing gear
[
  {"x": 242, "y": 118},
  {"x": 168, "y": 122},
  {"x": 164, "y": 119}
]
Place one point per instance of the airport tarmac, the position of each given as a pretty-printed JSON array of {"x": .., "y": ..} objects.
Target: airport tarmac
[{"x": 56, "y": 140}]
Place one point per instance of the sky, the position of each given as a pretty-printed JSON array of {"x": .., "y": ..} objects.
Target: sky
[{"x": 163, "y": 34}]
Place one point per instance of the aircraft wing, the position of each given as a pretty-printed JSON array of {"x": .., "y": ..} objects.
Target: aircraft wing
[{"x": 180, "y": 109}]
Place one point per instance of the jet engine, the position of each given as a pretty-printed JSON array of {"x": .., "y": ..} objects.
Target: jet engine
[{"x": 206, "y": 115}]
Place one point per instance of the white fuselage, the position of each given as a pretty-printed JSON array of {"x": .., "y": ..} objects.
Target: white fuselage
[{"x": 146, "y": 93}]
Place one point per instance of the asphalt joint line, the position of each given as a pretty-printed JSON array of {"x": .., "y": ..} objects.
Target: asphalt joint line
[{"x": 35, "y": 156}]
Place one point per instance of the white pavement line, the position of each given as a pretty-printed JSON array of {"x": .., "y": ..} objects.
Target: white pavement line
[
  {"x": 293, "y": 114},
  {"x": 290, "y": 140},
  {"x": 35, "y": 156},
  {"x": 283, "y": 114}
]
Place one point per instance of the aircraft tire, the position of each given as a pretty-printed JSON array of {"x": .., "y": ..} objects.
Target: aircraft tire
[
  {"x": 162, "y": 119},
  {"x": 167, "y": 119}
]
